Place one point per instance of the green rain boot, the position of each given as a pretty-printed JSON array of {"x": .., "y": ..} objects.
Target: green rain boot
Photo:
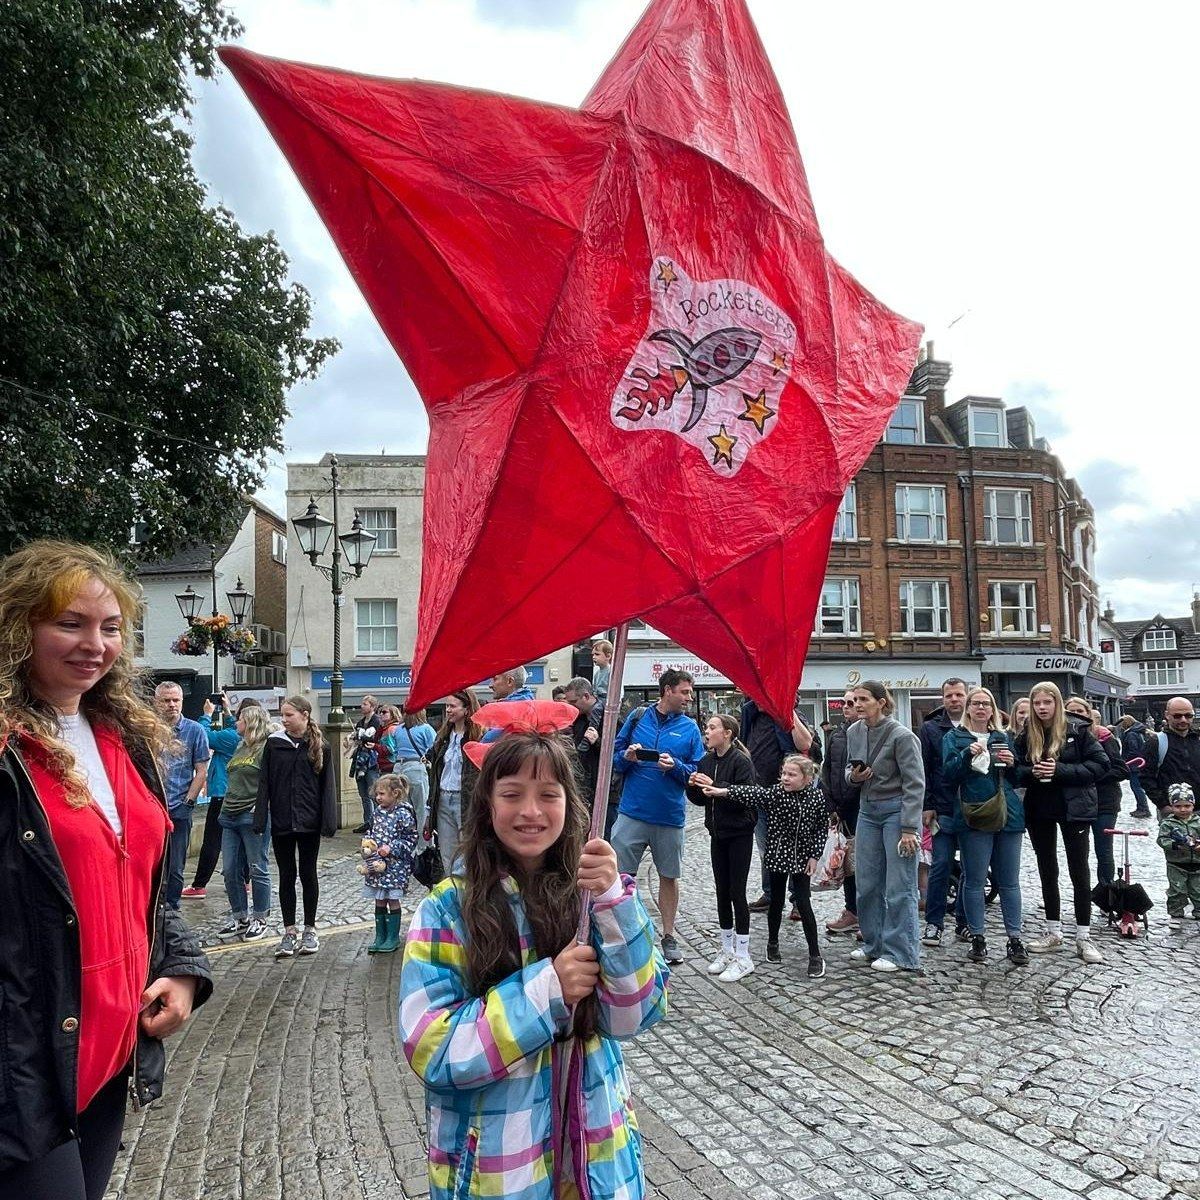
[
  {"x": 393, "y": 934},
  {"x": 381, "y": 933}
]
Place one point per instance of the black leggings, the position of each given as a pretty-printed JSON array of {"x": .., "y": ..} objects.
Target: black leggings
[
  {"x": 210, "y": 848},
  {"x": 79, "y": 1169},
  {"x": 288, "y": 847},
  {"x": 801, "y": 896},
  {"x": 1077, "y": 841},
  {"x": 731, "y": 868}
]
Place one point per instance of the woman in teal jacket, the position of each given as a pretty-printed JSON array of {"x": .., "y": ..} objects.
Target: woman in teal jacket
[{"x": 979, "y": 737}]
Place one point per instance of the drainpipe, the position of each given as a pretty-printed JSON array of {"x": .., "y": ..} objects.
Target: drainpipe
[{"x": 964, "y": 496}]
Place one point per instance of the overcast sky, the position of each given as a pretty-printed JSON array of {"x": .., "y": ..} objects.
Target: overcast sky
[{"x": 1027, "y": 171}]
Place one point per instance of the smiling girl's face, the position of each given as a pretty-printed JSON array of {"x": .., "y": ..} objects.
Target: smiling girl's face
[{"x": 529, "y": 810}]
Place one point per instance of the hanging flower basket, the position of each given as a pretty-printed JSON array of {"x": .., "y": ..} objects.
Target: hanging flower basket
[{"x": 214, "y": 633}]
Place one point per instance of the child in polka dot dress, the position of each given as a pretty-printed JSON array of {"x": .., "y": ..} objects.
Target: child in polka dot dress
[{"x": 387, "y": 858}]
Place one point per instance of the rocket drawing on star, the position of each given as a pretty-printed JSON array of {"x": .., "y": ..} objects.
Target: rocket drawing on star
[{"x": 716, "y": 358}]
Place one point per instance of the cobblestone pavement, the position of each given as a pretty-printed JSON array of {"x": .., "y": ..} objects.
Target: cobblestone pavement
[{"x": 1052, "y": 1081}]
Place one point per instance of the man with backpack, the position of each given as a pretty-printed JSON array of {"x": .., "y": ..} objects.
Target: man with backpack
[
  {"x": 1173, "y": 754},
  {"x": 1133, "y": 745}
]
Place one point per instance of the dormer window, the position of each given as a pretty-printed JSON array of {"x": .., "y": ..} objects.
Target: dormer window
[
  {"x": 987, "y": 428},
  {"x": 907, "y": 426},
  {"x": 1159, "y": 639}
]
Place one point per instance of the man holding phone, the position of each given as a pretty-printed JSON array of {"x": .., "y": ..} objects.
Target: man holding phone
[{"x": 657, "y": 749}]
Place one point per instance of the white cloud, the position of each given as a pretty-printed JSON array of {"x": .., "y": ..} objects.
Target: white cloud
[{"x": 1030, "y": 165}]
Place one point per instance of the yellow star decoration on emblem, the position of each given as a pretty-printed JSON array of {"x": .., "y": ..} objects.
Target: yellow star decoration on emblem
[
  {"x": 778, "y": 362},
  {"x": 722, "y": 445},
  {"x": 757, "y": 410},
  {"x": 666, "y": 274}
]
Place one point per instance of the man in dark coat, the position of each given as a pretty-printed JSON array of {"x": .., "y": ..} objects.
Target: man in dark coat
[{"x": 1172, "y": 755}]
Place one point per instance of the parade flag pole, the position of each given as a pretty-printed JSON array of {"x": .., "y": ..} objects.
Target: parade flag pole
[{"x": 608, "y": 738}]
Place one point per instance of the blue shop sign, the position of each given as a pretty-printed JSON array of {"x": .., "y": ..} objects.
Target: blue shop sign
[{"x": 382, "y": 678}]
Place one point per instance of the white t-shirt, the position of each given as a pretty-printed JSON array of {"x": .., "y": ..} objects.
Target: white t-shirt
[{"x": 77, "y": 733}]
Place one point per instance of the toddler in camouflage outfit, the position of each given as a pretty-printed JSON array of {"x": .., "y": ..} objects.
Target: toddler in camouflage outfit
[{"x": 1179, "y": 836}]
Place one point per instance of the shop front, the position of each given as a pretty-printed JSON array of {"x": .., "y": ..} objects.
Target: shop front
[{"x": 1010, "y": 675}]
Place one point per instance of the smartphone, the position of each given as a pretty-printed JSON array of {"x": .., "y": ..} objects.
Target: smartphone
[
  {"x": 647, "y": 754},
  {"x": 217, "y": 698}
]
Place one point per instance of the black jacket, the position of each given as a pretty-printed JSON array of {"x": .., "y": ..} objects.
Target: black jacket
[
  {"x": 841, "y": 796},
  {"x": 939, "y": 795},
  {"x": 1133, "y": 741},
  {"x": 1082, "y": 763},
  {"x": 40, "y": 985},
  {"x": 298, "y": 799},
  {"x": 1108, "y": 787},
  {"x": 1181, "y": 764},
  {"x": 724, "y": 818}
]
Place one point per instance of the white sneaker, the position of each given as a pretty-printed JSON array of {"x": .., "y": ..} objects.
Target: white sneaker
[
  {"x": 1046, "y": 943},
  {"x": 738, "y": 969},
  {"x": 884, "y": 964},
  {"x": 722, "y": 962},
  {"x": 1086, "y": 950},
  {"x": 859, "y": 955}
]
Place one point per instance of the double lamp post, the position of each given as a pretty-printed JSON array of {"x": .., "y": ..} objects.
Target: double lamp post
[{"x": 190, "y": 603}]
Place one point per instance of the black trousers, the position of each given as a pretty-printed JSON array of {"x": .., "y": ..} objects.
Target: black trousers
[
  {"x": 1077, "y": 841},
  {"x": 210, "y": 848},
  {"x": 731, "y": 868},
  {"x": 79, "y": 1169},
  {"x": 296, "y": 853},
  {"x": 801, "y": 898}
]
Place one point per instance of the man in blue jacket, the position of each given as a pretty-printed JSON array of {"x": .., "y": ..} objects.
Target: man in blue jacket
[
  {"x": 939, "y": 805},
  {"x": 652, "y": 800}
]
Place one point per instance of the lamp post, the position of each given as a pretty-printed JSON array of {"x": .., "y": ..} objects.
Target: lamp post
[
  {"x": 314, "y": 533},
  {"x": 189, "y": 605}
]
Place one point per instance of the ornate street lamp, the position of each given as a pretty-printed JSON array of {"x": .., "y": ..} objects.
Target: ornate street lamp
[
  {"x": 189, "y": 602},
  {"x": 239, "y": 602},
  {"x": 314, "y": 532}
]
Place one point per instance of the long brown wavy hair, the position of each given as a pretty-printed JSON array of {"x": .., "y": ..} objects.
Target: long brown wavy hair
[
  {"x": 550, "y": 895},
  {"x": 472, "y": 730},
  {"x": 37, "y": 583},
  {"x": 1046, "y": 741},
  {"x": 312, "y": 731}
]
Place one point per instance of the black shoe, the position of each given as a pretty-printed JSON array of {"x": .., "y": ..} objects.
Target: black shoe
[
  {"x": 362, "y": 828},
  {"x": 761, "y": 904},
  {"x": 1017, "y": 954},
  {"x": 978, "y": 950},
  {"x": 1140, "y": 812},
  {"x": 773, "y": 955},
  {"x": 962, "y": 933},
  {"x": 816, "y": 966}
]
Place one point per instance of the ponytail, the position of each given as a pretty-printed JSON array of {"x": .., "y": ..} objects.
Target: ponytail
[{"x": 312, "y": 732}]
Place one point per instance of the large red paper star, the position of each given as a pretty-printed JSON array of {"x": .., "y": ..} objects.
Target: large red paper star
[{"x": 583, "y": 299}]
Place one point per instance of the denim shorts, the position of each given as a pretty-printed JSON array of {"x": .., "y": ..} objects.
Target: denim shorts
[{"x": 630, "y": 837}]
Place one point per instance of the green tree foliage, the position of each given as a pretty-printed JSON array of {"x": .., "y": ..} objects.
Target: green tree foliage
[{"x": 129, "y": 309}]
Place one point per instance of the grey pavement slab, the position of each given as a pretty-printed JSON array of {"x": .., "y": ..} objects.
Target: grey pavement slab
[{"x": 1051, "y": 1081}]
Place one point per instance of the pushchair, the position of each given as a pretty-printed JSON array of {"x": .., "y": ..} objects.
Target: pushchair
[{"x": 1124, "y": 902}]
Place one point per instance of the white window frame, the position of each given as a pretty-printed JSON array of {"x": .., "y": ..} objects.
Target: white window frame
[
  {"x": 1025, "y": 607},
  {"x": 845, "y": 524},
  {"x": 935, "y": 514},
  {"x": 137, "y": 633},
  {"x": 1165, "y": 642},
  {"x": 906, "y": 406},
  {"x": 846, "y": 608},
  {"x": 279, "y": 546},
  {"x": 1021, "y": 519},
  {"x": 939, "y": 610},
  {"x": 371, "y": 618},
  {"x": 978, "y": 410},
  {"x": 1162, "y": 672},
  {"x": 384, "y": 533}
]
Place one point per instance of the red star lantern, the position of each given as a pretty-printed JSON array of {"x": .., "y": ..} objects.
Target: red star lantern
[{"x": 648, "y": 383}]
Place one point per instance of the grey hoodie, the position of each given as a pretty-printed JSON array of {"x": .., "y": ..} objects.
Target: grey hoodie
[{"x": 897, "y": 771}]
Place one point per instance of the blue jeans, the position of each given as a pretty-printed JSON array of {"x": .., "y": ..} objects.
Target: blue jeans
[
  {"x": 944, "y": 846},
  {"x": 181, "y": 834},
  {"x": 241, "y": 845},
  {"x": 1002, "y": 852},
  {"x": 418, "y": 792},
  {"x": 1105, "y": 866},
  {"x": 887, "y": 886},
  {"x": 366, "y": 781},
  {"x": 1139, "y": 792}
]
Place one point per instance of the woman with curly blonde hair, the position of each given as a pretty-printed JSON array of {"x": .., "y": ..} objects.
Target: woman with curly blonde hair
[{"x": 98, "y": 970}]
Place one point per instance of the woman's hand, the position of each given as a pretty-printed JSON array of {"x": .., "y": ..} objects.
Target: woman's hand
[
  {"x": 597, "y": 867},
  {"x": 166, "y": 1004},
  {"x": 577, "y": 970},
  {"x": 908, "y": 845},
  {"x": 811, "y": 869},
  {"x": 209, "y": 707},
  {"x": 427, "y": 832},
  {"x": 1045, "y": 769},
  {"x": 860, "y": 775},
  {"x": 698, "y": 779},
  {"x": 1004, "y": 756},
  {"x": 976, "y": 749}
]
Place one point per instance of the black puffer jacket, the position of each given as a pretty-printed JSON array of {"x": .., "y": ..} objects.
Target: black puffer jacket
[
  {"x": 298, "y": 799},
  {"x": 1108, "y": 787},
  {"x": 1082, "y": 762},
  {"x": 725, "y": 818},
  {"x": 40, "y": 986},
  {"x": 841, "y": 796}
]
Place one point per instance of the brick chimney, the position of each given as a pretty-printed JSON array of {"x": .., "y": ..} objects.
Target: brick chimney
[
  {"x": 1196, "y": 612},
  {"x": 1110, "y": 615},
  {"x": 929, "y": 379}
]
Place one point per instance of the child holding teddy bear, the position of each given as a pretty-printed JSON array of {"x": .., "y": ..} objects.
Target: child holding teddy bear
[{"x": 387, "y": 858}]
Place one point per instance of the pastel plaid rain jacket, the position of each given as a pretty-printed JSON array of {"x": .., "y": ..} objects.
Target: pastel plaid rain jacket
[{"x": 492, "y": 1068}]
